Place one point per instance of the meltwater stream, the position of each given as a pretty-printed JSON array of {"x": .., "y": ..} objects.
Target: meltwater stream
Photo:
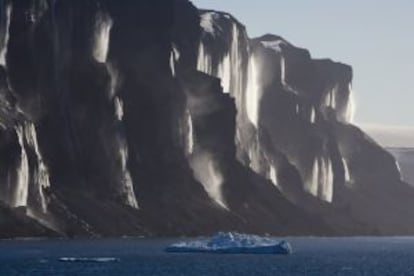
[{"x": 311, "y": 256}]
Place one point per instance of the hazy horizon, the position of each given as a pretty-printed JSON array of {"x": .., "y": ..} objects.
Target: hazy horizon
[{"x": 377, "y": 48}]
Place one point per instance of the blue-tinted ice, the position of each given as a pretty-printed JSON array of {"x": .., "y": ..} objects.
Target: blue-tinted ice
[{"x": 233, "y": 243}]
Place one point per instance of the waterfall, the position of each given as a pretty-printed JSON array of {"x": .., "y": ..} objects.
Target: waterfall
[
  {"x": 224, "y": 73},
  {"x": 174, "y": 58},
  {"x": 350, "y": 108},
  {"x": 285, "y": 85},
  {"x": 5, "y": 38},
  {"x": 126, "y": 180},
  {"x": 273, "y": 176},
  {"x": 346, "y": 171},
  {"x": 103, "y": 27},
  {"x": 321, "y": 182},
  {"x": 237, "y": 76},
  {"x": 204, "y": 62},
  {"x": 206, "y": 172},
  {"x": 119, "y": 108},
  {"x": 22, "y": 183},
  {"x": 330, "y": 99},
  {"x": 190, "y": 134},
  {"x": 312, "y": 118},
  {"x": 41, "y": 174},
  {"x": 253, "y": 92},
  {"x": 127, "y": 184}
]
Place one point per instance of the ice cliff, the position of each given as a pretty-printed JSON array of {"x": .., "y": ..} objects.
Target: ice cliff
[{"x": 155, "y": 118}]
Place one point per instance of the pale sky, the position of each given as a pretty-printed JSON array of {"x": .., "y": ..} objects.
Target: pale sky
[{"x": 376, "y": 37}]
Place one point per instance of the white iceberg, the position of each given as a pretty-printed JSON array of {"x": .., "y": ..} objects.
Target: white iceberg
[{"x": 233, "y": 243}]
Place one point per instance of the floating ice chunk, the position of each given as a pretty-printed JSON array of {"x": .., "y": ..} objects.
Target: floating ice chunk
[
  {"x": 89, "y": 260},
  {"x": 233, "y": 243}
]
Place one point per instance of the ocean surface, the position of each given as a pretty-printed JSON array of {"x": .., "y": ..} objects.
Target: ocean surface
[{"x": 312, "y": 256}]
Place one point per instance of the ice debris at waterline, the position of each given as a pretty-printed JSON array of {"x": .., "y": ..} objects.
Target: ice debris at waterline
[
  {"x": 233, "y": 243},
  {"x": 88, "y": 260}
]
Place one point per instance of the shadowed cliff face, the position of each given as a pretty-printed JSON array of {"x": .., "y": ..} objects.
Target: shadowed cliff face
[{"x": 146, "y": 117}]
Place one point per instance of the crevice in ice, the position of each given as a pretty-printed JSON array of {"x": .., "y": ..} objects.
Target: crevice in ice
[{"x": 103, "y": 27}]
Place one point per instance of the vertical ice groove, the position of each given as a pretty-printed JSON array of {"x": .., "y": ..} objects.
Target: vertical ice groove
[
  {"x": 41, "y": 174},
  {"x": 22, "y": 183},
  {"x": 6, "y": 35},
  {"x": 103, "y": 27},
  {"x": 253, "y": 92}
]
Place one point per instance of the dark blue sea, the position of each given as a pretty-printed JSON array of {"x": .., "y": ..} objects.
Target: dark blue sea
[{"x": 312, "y": 256}]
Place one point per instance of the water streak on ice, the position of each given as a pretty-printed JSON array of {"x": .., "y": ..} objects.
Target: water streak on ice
[
  {"x": 6, "y": 35},
  {"x": 22, "y": 183},
  {"x": 103, "y": 27}
]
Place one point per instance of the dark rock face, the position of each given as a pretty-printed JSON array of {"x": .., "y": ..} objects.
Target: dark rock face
[{"x": 146, "y": 117}]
